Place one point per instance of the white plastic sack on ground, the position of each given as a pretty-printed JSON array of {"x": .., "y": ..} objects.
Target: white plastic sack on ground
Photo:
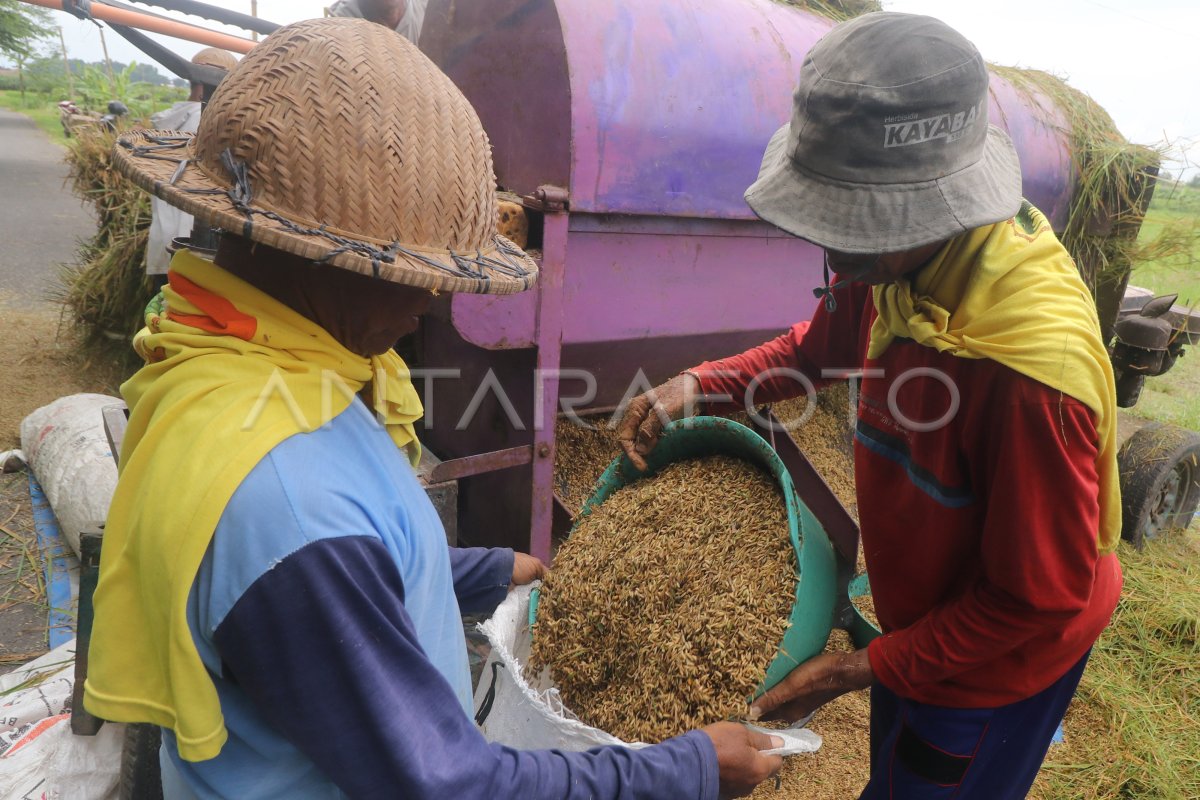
[
  {"x": 39, "y": 756},
  {"x": 67, "y": 449},
  {"x": 532, "y": 717}
]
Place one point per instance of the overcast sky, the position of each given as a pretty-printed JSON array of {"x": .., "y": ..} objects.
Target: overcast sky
[{"x": 1139, "y": 60}]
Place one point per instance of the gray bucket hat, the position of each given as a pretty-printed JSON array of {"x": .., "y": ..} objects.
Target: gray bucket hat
[{"x": 889, "y": 147}]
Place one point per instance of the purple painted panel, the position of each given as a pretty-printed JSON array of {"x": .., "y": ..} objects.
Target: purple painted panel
[
  {"x": 668, "y": 106},
  {"x": 661, "y": 107},
  {"x": 674, "y": 100},
  {"x": 636, "y": 278},
  {"x": 504, "y": 322},
  {"x": 641, "y": 286},
  {"x": 508, "y": 57},
  {"x": 551, "y": 311},
  {"x": 1036, "y": 126}
]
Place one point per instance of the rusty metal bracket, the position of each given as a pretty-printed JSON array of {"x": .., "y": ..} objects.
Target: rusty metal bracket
[
  {"x": 548, "y": 198},
  {"x": 816, "y": 494},
  {"x": 83, "y": 722},
  {"x": 465, "y": 467}
]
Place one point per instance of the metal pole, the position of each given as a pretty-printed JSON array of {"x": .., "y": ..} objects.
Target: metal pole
[
  {"x": 216, "y": 14},
  {"x": 254, "y": 13},
  {"x": 167, "y": 27}
]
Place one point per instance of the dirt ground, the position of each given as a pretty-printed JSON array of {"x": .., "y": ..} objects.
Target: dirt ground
[
  {"x": 22, "y": 605},
  {"x": 37, "y": 365}
]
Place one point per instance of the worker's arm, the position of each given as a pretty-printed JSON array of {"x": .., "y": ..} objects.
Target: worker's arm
[
  {"x": 768, "y": 373},
  {"x": 1034, "y": 464},
  {"x": 783, "y": 368},
  {"x": 324, "y": 635},
  {"x": 483, "y": 575}
]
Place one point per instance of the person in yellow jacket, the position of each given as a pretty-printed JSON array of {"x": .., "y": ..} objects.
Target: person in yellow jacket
[
  {"x": 985, "y": 440},
  {"x": 275, "y": 587}
]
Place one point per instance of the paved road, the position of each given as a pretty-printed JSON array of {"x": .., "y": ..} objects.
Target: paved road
[{"x": 40, "y": 220}]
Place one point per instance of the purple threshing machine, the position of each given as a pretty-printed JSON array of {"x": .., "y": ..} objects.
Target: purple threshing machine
[{"x": 631, "y": 128}]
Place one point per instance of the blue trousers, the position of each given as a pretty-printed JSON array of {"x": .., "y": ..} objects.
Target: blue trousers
[{"x": 925, "y": 752}]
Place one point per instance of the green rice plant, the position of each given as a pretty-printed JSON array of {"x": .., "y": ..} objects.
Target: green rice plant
[{"x": 1134, "y": 728}]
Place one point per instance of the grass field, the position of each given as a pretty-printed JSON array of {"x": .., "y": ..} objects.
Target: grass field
[
  {"x": 1133, "y": 730},
  {"x": 1174, "y": 397},
  {"x": 35, "y": 106},
  {"x": 1178, "y": 205}
]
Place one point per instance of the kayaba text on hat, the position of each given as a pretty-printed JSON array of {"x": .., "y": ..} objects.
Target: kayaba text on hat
[{"x": 915, "y": 131}]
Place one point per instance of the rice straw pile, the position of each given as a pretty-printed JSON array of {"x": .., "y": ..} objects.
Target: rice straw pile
[
  {"x": 107, "y": 291},
  {"x": 1114, "y": 180},
  {"x": 668, "y": 602},
  {"x": 836, "y": 10}
]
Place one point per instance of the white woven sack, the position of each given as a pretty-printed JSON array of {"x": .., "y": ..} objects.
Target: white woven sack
[
  {"x": 67, "y": 449},
  {"x": 39, "y": 756},
  {"x": 532, "y": 716}
]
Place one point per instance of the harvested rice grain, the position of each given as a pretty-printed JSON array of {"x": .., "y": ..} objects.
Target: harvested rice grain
[
  {"x": 580, "y": 457},
  {"x": 827, "y": 438},
  {"x": 668, "y": 602},
  {"x": 840, "y": 769},
  {"x": 866, "y": 606}
]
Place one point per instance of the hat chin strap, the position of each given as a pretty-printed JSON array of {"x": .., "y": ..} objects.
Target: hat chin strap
[{"x": 827, "y": 290}]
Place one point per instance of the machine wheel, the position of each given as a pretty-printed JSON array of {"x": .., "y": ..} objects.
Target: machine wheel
[
  {"x": 141, "y": 778},
  {"x": 1160, "y": 481}
]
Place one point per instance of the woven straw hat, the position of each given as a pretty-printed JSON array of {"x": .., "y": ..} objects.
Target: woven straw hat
[
  {"x": 214, "y": 57},
  {"x": 338, "y": 141}
]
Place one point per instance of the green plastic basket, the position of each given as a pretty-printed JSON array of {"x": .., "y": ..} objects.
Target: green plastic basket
[{"x": 812, "y": 611}]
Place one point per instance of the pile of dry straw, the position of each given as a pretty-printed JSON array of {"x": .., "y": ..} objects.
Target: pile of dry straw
[{"x": 106, "y": 292}]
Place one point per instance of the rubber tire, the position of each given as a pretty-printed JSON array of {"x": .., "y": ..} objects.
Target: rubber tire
[
  {"x": 1160, "y": 482},
  {"x": 141, "y": 777}
]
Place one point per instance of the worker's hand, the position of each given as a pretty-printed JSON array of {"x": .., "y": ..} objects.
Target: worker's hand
[
  {"x": 526, "y": 569},
  {"x": 813, "y": 684},
  {"x": 648, "y": 413},
  {"x": 741, "y": 765}
]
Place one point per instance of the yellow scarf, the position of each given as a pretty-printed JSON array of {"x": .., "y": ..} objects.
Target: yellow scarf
[
  {"x": 1010, "y": 292},
  {"x": 235, "y": 373}
]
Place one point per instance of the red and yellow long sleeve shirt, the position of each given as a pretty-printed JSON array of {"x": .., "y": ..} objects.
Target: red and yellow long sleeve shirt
[{"x": 978, "y": 502}]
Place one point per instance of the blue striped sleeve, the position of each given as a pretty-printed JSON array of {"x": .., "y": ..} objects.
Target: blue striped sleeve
[
  {"x": 324, "y": 648},
  {"x": 481, "y": 577}
]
